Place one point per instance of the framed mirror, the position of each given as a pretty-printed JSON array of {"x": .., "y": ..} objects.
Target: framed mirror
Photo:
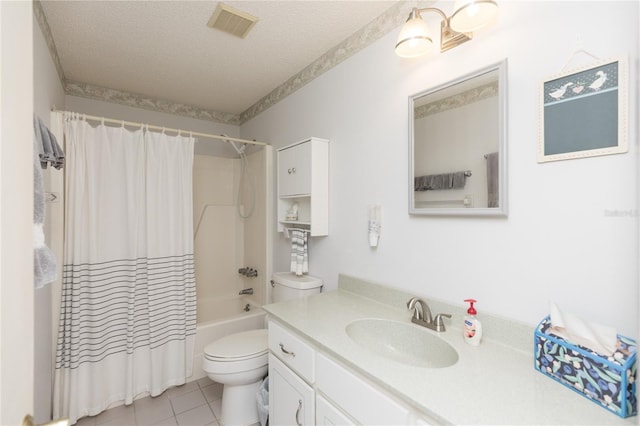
[{"x": 458, "y": 146}]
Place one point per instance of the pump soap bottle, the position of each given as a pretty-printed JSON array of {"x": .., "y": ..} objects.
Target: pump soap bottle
[{"x": 472, "y": 330}]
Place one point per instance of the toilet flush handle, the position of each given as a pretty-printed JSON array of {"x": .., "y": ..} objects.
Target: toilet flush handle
[{"x": 286, "y": 351}]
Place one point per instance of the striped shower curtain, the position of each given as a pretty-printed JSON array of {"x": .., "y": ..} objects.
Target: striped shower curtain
[{"x": 128, "y": 307}]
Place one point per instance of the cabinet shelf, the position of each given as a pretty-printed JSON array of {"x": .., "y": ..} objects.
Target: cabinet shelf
[
  {"x": 294, "y": 222},
  {"x": 295, "y": 196}
]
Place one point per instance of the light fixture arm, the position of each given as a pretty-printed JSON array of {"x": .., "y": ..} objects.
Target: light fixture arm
[
  {"x": 415, "y": 13},
  {"x": 448, "y": 37}
]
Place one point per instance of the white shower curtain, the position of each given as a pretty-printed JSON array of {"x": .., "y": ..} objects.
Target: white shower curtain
[{"x": 128, "y": 308}]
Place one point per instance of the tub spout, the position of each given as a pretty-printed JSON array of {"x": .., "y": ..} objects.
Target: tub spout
[{"x": 246, "y": 291}]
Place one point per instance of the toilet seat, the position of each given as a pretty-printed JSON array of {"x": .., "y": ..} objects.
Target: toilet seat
[
  {"x": 238, "y": 346},
  {"x": 237, "y": 352}
]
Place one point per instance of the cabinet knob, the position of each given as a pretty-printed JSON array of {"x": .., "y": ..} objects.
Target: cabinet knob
[{"x": 291, "y": 170}]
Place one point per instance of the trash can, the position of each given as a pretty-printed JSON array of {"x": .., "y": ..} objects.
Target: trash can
[{"x": 262, "y": 399}]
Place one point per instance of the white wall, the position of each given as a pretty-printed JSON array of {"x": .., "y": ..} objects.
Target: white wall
[
  {"x": 560, "y": 241},
  {"x": 48, "y": 93},
  {"x": 16, "y": 213}
]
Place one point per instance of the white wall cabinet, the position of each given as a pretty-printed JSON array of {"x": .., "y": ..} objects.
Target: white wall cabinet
[
  {"x": 294, "y": 170},
  {"x": 303, "y": 180}
]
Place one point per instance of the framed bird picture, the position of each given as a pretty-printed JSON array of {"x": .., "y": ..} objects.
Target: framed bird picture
[{"x": 584, "y": 112}]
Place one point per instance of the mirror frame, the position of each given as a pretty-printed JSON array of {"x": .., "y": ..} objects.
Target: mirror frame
[{"x": 501, "y": 67}]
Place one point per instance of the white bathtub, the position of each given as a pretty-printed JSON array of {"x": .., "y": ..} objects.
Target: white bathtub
[{"x": 220, "y": 317}]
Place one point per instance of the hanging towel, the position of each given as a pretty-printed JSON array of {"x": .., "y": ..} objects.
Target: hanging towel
[
  {"x": 299, "y": 252},
  {"x": 47, "y": 147},
  {"x": 44, "y": 263},
  {"x": 493, "y": 188},
  {"x": 455, "y": 180}
]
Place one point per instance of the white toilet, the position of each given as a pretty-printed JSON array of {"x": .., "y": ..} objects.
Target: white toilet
[{"x": 240, "y": 361}]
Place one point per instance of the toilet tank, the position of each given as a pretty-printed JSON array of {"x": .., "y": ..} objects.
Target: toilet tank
[{"x": 287, "y": 285}]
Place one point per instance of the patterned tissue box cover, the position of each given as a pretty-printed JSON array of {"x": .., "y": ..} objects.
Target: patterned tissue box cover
[{"x": 607, "y": 380}]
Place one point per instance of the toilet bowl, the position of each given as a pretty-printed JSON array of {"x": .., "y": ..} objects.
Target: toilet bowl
[{"x": 240, "y": 362}]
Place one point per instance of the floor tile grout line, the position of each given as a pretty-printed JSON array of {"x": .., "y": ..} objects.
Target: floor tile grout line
[{"x": 200, "y": 387}]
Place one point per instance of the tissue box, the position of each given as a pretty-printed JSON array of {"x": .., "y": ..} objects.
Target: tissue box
[{"x": 606, "y": 380}]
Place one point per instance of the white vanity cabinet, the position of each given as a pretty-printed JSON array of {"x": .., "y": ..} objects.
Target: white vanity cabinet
[
  {"x": 303, "y": 180},
  {"x": 328, "y": 414},
  {"x": 291, "y": 400},
  {"x": 291, "y": 376},
  {"x": 360, "y": 399},
  {"x": 308, "y": 387}
]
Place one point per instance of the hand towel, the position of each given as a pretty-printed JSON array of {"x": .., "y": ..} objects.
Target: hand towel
[
  {"x": 299, "y": 252},
  {"x": 455, "y": 180},
  {"x": 493, "y": 179},
  {"x": 47, "y": 146},
  {"x": 44, "y": 262}
]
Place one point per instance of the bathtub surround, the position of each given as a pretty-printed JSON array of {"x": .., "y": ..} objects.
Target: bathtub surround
[
  {"x": 225, "y": 241},
  {"x": 127, "y": 317}
]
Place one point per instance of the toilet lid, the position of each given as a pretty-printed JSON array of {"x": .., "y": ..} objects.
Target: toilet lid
[{"x": 242, "y": 345}]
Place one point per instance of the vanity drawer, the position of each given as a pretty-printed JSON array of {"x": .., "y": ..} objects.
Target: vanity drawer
[
  {"x": 365, "y": 403},
  {"x": 292, "y": 350}
]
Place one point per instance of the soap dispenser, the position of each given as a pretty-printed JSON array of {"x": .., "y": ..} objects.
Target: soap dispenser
[{"x": 472, "y": 329}]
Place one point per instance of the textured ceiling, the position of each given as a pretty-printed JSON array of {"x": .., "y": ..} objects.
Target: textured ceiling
[{"x": 164, "y": 49}]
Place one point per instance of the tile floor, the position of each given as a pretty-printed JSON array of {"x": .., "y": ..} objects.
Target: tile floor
[{"x": 196, "y": 403}]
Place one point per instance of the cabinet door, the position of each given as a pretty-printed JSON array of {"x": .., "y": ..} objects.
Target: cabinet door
[
  {"x": 329, "y": 415},
  {"x": 291, "y": 400},
  {"x": 294, "y": 170}
]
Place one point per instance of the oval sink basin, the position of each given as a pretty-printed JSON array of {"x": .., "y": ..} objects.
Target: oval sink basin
[{"x": 405, "y": 343}]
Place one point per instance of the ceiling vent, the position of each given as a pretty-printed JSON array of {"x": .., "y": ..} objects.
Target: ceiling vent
[{"x": 232, "y": 21}]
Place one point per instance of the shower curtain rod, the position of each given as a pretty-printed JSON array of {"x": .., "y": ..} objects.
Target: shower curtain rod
[{"x": 166, "y": 129}]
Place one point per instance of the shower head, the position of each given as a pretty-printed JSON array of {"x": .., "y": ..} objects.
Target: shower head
[{"x": 240, "y": 150}]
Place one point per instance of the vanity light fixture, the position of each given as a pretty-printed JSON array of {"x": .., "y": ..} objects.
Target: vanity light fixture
[{"x": 468, "y": 16}]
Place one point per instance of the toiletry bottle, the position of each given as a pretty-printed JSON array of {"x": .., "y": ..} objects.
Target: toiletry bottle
[{"x": 472, "y": 330}]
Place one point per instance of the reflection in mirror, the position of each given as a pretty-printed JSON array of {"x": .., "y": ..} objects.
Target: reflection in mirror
[{"x": 457, "y": 146}]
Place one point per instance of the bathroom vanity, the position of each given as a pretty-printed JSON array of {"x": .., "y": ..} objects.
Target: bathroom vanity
[
  {"x": 309, "y": 387},
  {"x": 322, "y": 373}
]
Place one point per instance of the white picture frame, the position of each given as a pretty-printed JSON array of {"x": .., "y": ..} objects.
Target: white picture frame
[{"x": 584, "y": 112}]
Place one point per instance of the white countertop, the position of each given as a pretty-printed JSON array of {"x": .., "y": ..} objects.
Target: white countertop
[{"x": 490, "y": 384}]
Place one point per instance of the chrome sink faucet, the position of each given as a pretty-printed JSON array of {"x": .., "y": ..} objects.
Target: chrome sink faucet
[{"x": 422, "y": 315}]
